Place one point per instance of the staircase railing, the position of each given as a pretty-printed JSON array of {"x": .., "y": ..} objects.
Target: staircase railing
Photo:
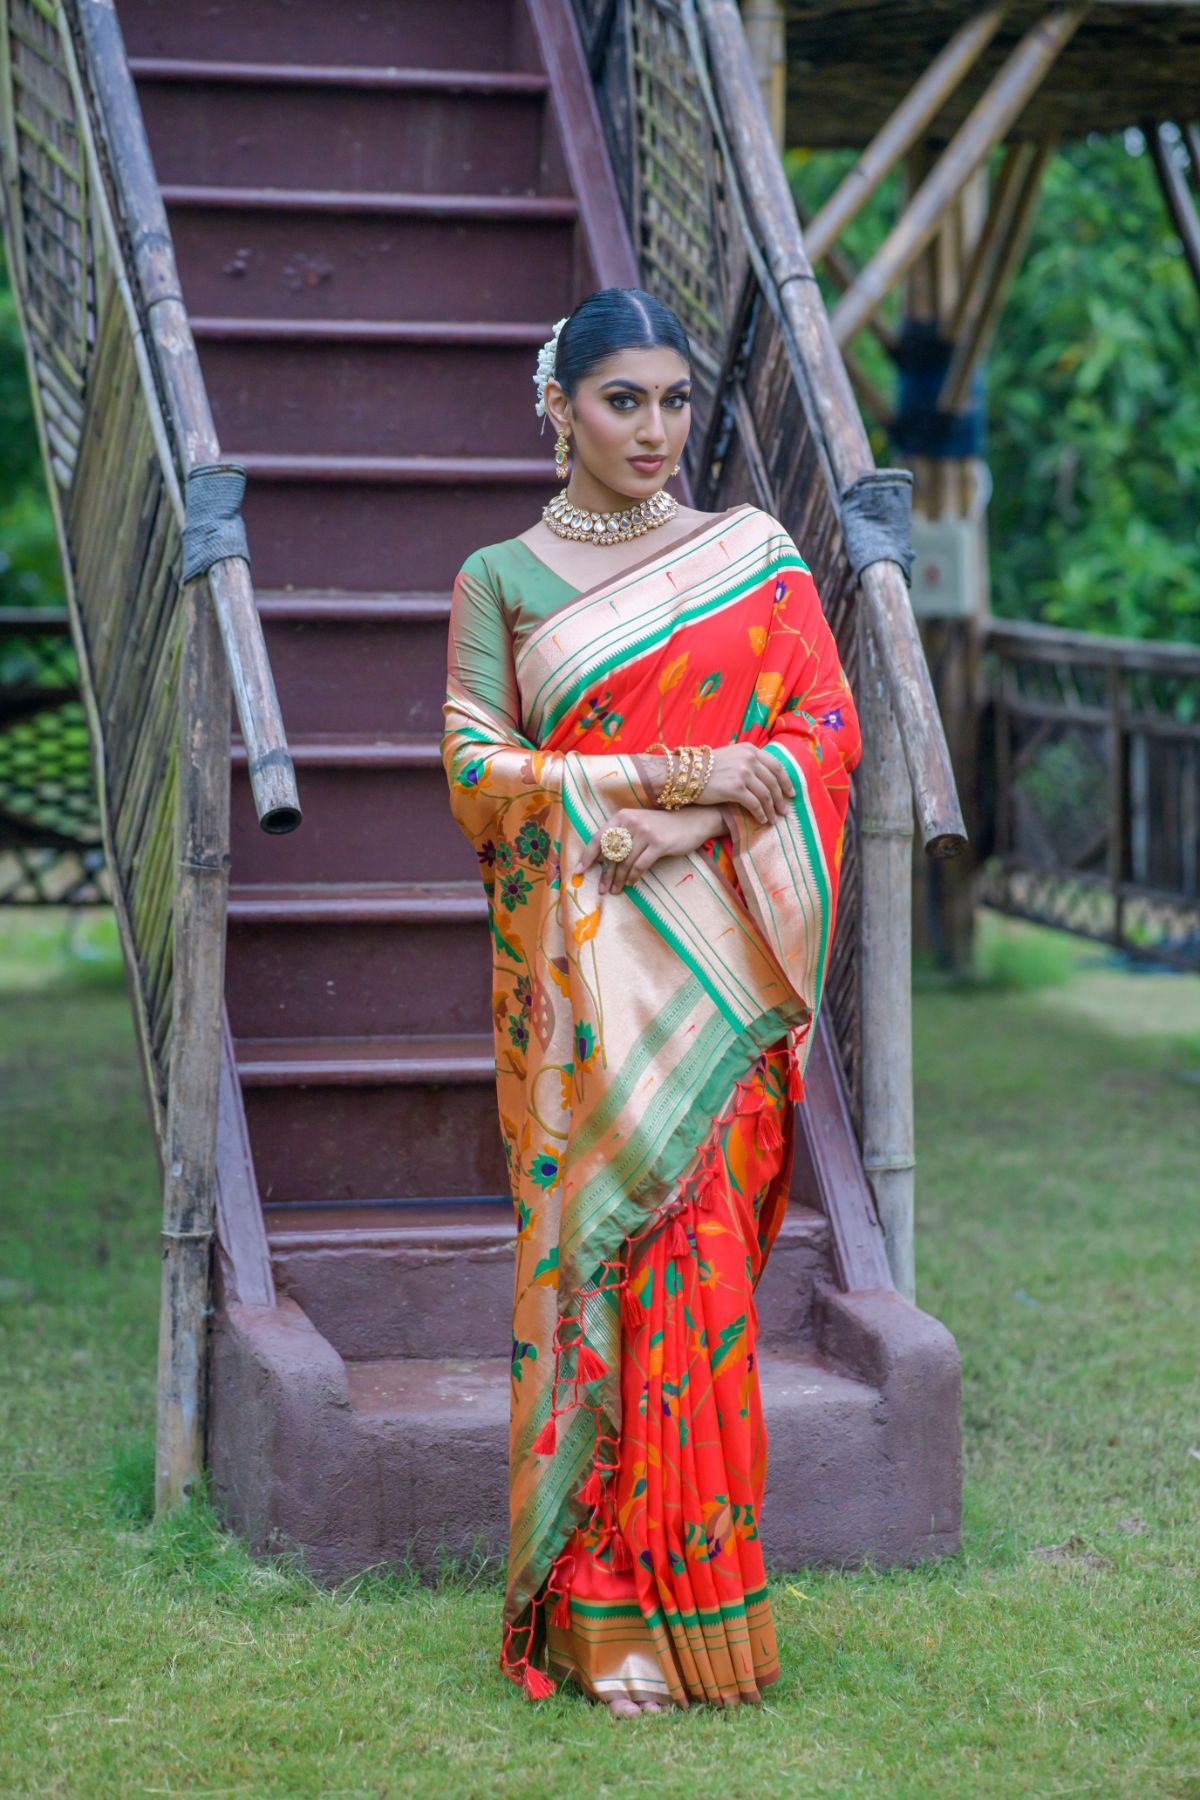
[
  {"x": 124, "y": 422},
  {"x": 716, "y": 235}
]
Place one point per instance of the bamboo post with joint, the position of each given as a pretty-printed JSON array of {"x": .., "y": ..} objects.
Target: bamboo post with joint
[
  {"x": 198, "y": 992},
  {"x": 885, "y": 832}
]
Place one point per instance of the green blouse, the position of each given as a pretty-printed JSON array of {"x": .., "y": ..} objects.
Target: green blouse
[{"x": 502, "y": 592}]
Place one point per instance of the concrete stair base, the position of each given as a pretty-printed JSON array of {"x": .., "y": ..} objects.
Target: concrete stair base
[{"x": 356, "y": 1463}]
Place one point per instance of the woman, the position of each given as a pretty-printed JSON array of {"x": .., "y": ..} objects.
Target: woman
[{"x": 649, "y": 747}]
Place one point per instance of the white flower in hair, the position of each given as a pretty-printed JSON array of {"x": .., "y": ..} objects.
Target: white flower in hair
[{"x": 545, "y": 364}]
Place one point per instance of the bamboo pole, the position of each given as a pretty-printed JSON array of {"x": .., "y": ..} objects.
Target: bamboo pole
[
  {"x": 977, "y": 317},
  {"x": 905, "y": 126},
  {"x": 984, "y": 126},
  {"x": 766, "y": 35},
  {"x": 885, "y": 828},
  {"x": 197, "y": 1005},
  {"x": 1180, "y": 203},
  {"x": 269, "y": 762},
  {"x": 833, "y": 416}
]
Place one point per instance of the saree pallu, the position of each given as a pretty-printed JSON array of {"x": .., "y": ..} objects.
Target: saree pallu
[{"x": 635, "y": 1034}]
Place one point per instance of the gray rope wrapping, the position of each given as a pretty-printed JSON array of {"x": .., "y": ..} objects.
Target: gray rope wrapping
[
  {"x": 212, "y": 520},
  {"x": 876, "y": 509}
]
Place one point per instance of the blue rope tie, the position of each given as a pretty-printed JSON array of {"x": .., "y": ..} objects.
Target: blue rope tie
[
  {"x": 212, "y": 520},
  {"x": 876, "y": 509}
]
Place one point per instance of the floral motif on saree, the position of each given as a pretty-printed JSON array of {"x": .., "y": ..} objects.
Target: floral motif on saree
[{"x": 635, "y": 1034}]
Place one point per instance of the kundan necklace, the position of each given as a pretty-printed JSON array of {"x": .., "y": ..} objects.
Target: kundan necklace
[{"x": 569, "y": 520}]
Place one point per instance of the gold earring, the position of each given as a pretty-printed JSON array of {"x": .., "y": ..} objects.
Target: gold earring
[
  {"x": 675, "y": 470},
  {"x": 560, "y": 455}
]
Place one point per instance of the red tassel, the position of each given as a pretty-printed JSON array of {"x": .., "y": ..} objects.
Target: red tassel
[
  {"x": 710, "y": 1187},
  {"x": 795, "y": 1080},
  {"x": 546, "y": 1439},
  {"x": 591, "y": 1490},
  {"x": 562, "y": 1610},
  {"x": 537, "y": 1685},
  {"x": 589, "y": 1367},
  {"x": 767, "y": 1133},
  {"x": 619, "y": 1556},
  {"x": 677, "y": 1242}
]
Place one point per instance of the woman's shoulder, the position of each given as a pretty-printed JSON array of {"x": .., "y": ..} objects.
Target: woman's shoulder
[{"x": 488, "y": 563}]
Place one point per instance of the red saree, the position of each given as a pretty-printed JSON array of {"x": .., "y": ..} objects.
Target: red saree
[{"x": 648, "y": 1046}]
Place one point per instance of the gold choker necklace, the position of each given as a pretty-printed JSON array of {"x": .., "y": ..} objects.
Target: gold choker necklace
[{"x": 568, "y": 520}]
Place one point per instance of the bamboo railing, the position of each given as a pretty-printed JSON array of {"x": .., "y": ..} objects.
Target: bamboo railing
[
  {"x": 716, "y": 235},
  {"x": 123, "y": 419}
]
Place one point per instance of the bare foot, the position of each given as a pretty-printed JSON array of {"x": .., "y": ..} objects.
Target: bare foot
[{"x": 622, "y": 1707}]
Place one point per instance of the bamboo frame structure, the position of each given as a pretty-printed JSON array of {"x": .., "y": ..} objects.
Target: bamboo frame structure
[
  {"x": 122, "y": 416},
  {"x": 903, "y": 129},
  {"x": 985, "y": 125}
]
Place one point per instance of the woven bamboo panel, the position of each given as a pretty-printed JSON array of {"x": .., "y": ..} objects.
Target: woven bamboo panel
[
  {"x": 119, "y": 529},
  {"x": 749, "y": 436},
  {"x": 55, "y": 242},
  {"x": 124, "y": 540}
]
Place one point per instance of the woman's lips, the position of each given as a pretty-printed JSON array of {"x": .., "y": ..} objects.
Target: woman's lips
[{"x": 648, "y": 463}]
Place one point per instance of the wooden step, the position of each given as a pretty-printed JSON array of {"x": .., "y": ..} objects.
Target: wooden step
[
  {"x": 463, "y": 209},
  {"x": 316, "y": 254},
  {"x": 448, "y": 1419},
  {"x": 437, "y": 1279},
  {"x": 335, "y": 656},
  {"x": 257, "y": 75},
  {"x": 366, "y": 528},
  {"x": 359, "y": 386},
  {"x": 355, "y": 1119},
  {"x": 433, "y": 34},
  {"x": 357, "y": 958},
  {"x": 376, "y": 808},
  {"x": 293, "y": 126},
  {"x": 365, "y": 1061}
]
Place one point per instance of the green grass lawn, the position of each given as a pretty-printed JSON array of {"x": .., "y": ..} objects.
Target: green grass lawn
[{"x": 1056, "y": 1654}]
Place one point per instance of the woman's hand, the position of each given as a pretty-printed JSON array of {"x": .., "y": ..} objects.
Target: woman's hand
[
  {"x": 655, "y": 832},
  {"x": 751, "y": 778}
]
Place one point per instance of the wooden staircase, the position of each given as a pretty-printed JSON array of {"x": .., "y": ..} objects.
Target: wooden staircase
[{"x": 376, "y": 223}]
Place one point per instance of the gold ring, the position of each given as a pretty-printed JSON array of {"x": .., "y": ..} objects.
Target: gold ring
[{"x": 615, "y": 844}]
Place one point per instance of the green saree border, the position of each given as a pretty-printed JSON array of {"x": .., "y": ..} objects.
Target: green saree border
[{"x": 539, "y": 1535}]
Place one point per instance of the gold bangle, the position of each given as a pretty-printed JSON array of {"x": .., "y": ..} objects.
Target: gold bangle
[
  {"x": 709, "y": 759},
  {"x": 665, "y": 792},
  {"x": 693, "y": 781},
  {"x": 680, "y": 795}
]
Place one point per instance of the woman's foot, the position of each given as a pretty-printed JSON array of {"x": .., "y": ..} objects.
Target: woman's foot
[{"x": 622, "y": 1707}]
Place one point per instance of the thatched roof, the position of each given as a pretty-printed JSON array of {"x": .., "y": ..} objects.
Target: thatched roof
[{"x": 851, "y": 61}]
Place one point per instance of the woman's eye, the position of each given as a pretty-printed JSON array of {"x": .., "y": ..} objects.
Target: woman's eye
[{"x": 677, "y": 400}]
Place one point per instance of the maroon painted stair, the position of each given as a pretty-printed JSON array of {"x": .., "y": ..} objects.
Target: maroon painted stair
[{"x": 376, "y": 227}]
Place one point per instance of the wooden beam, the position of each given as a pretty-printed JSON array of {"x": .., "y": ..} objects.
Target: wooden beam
[
  {"x": 984, "y": 126},
  {"x": 906, "y": 125}
]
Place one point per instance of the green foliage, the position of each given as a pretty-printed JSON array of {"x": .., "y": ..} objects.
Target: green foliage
[
  {"x": 1094, "y": 408},
  {"x": 1093, "y": 400}
]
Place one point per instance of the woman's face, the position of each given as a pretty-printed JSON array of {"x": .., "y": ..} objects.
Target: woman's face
[{"x": 634, "y": 404}]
